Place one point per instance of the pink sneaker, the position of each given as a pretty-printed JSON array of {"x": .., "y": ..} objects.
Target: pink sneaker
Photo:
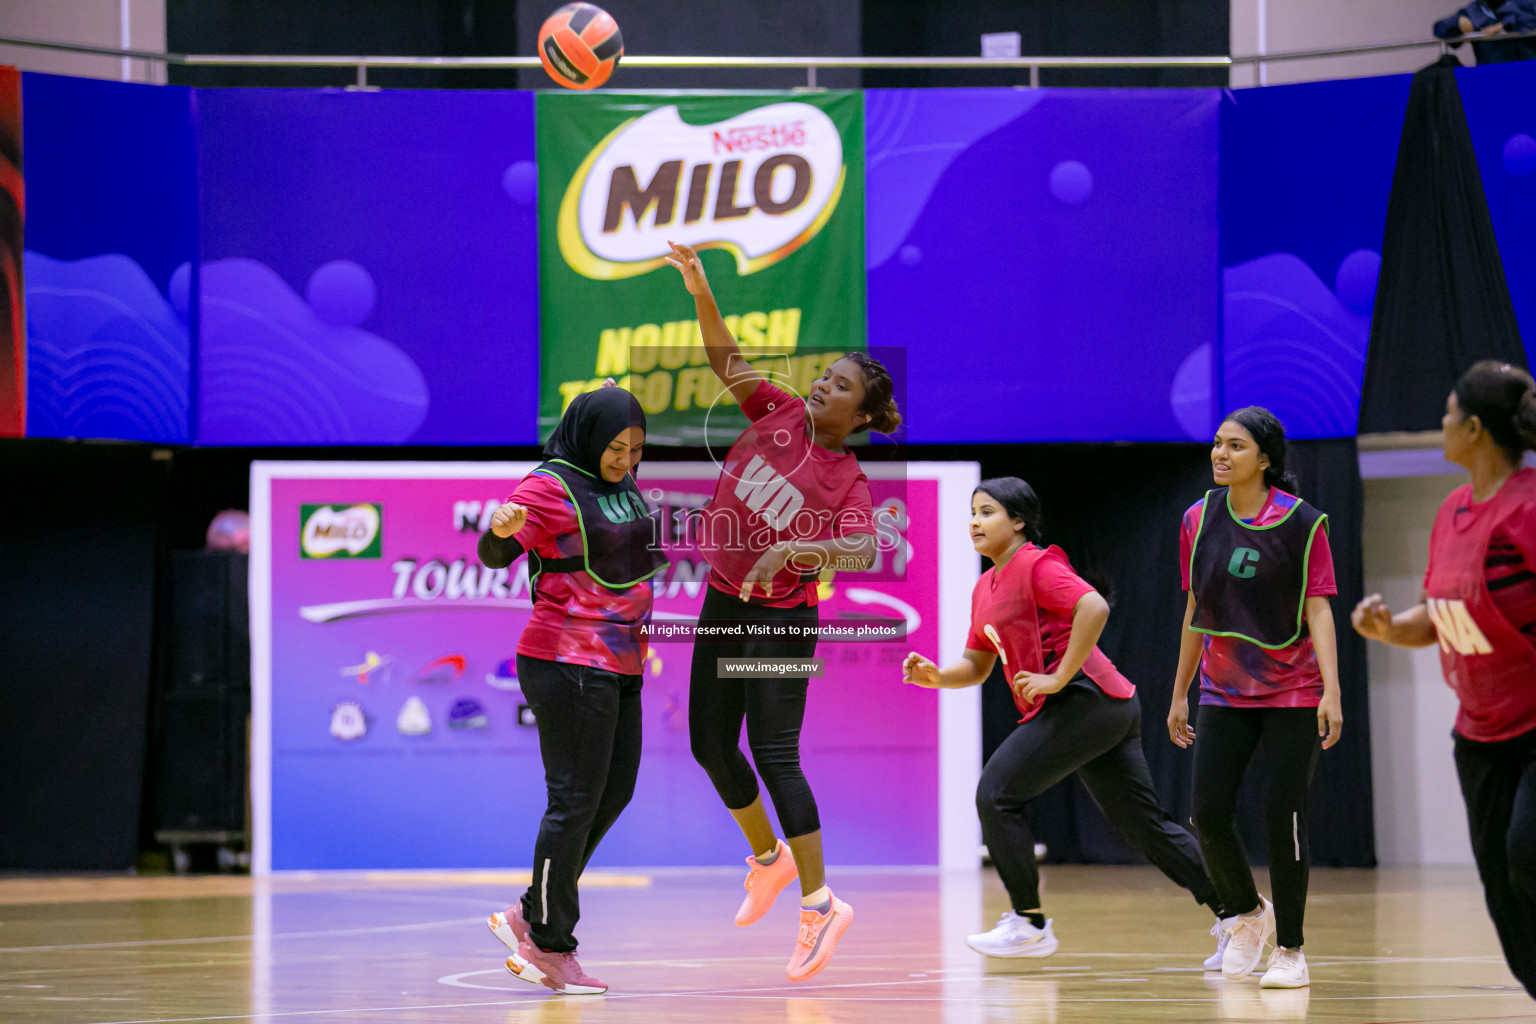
[
  {"x": 510, "y": 927},
  {"x": 764, "y": 883},
  {"x": 818, "y": 938},
  {"x": 558, "y": 972}
]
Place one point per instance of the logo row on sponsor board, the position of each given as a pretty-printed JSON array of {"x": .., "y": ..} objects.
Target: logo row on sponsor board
[
  {"x": 376, "y": 668},
  {"x": 350, "y": 721}
]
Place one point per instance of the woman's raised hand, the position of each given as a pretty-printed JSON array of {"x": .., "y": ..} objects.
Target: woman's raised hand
[{"x": 686, "y": 260}]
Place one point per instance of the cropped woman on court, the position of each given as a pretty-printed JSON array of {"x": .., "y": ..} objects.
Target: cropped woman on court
[
  {"x": 790, "y": 501},
  {"x": 1080, "y": 715},
  {"x": 592, "y": 544},
  {"x": 1479, "y": 604},
  {"x": 1259, "y": 629}
]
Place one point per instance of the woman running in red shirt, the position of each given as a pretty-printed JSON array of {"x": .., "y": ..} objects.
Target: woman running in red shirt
[
  {"x": 790, "y": 501},
  {"x": 1080, "y": 715},
  {"x": 1479, "y": 604},
  {"x": 1259, "y": 628},
  {"x": 592, "y": 544}
]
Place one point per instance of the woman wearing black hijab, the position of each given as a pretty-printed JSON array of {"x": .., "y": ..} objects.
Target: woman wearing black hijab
[{"x": 592, "y": 544}]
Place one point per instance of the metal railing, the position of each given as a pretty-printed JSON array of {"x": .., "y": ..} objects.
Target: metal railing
[{"x": 810, "y": 64}]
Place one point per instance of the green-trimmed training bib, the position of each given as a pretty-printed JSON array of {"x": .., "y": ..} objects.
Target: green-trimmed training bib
[
  {"x": 620, "y": 536},
  {"x": 1250, "y": 582}
]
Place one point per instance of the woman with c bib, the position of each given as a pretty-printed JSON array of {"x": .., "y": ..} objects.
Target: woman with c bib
[{"x": 1258, "y": 628}]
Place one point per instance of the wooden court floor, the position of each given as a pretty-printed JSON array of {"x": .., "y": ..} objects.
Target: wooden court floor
[{"x": 1388, "y": 945}]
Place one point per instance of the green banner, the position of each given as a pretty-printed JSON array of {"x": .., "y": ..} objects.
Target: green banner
[{"x": 769, "y": 187}]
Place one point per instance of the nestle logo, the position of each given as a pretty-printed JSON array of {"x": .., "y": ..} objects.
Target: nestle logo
[{"x": 747, "y": 138}]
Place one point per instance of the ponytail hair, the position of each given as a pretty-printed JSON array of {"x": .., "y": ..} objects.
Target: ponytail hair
[
  {"x": 1503, "y": 397},
  {"x": 1019, "y": 500},
  {"x": 1269, "y": 434},
  {"x": 879, "y": 402}
]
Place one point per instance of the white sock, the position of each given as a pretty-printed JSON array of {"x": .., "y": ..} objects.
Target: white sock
[
  {"x": 812, "y": 901},
  {"x": 767, "y": 858}
]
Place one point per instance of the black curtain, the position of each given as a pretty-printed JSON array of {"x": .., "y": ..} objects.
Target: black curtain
[
  {"x": 948, "y": 28},
  {"x": 1442, "y": 302},
  {"x": 78, "y": 548},
  {"x": 417, "y": 28},
  {"x": 1116, "y": 511}
]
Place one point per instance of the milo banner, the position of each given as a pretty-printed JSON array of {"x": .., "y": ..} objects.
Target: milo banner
[{"x": 770, "y": 188}]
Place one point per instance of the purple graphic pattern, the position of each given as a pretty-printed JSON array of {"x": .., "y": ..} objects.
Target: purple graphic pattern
[{"x": 107, "y": 356}]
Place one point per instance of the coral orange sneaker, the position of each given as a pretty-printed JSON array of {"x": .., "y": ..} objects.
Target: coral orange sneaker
[
  {"x": 818, "y": 938},
  {"x": 764, "y": 883}
]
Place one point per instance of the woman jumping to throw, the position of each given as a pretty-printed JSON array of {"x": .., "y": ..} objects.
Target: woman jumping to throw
[{"x": 790, "y": 501}]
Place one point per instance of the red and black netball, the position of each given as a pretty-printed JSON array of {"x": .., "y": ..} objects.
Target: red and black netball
[{"x": 580, "y": 46}]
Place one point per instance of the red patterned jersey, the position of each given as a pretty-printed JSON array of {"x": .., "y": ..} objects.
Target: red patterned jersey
[
  {"x": 778, "y": 484},
  {"x": 575, "y": 619}
]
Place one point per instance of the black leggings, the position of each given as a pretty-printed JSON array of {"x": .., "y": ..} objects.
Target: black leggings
[
  {"x": 773, "y": 710},
  {"x": 1498, "y": 782},
  {"x": 1226, "y": 739},
  {"x": 589, "y": 738},
  {"x": 1084, "y": 730}
]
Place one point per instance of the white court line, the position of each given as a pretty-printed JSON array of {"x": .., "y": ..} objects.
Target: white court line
[
  {"x": 786, "y": 989},
  {"x": 1321, "y": 961},
  {"x": 778, "y": 992},
  {"x": 326, "y": 933},
  {"x": 309, "y": 1013},
  {"x": 789, "y": 991},
  {"x": 1061, "y": 999}
]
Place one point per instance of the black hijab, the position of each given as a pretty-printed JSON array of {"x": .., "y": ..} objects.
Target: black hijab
[
  {"x": 591, "y": 422},
  {"x": 621, "y": 535}
]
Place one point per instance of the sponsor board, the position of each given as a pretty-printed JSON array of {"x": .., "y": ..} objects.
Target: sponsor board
[{"x": 407, "y": 620}]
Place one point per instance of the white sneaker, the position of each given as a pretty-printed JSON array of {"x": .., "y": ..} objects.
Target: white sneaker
[
  {"x": 1219, "y": 929},
  {"x": 1287, "y": 969},
  {"x": 1014, "y": 936},
  {"x": 1246, "y": 939}
]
